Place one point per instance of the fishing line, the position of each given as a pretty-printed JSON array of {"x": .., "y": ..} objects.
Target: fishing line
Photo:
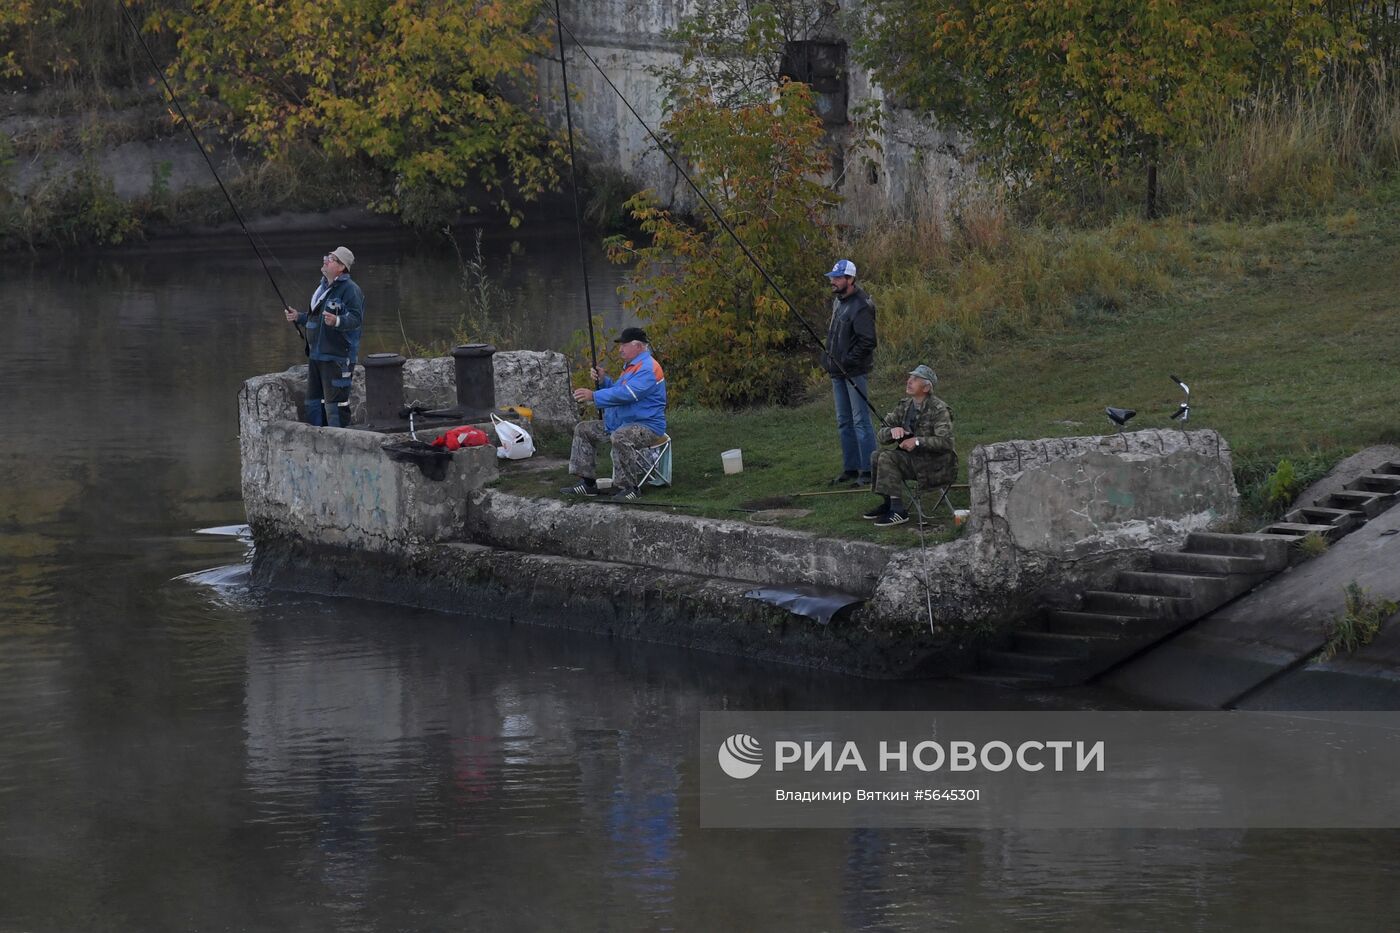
[
  {"x": 748, "y": 254},
  {"x": 126, "y": 13},
  {"x": 573, "y": 181}
]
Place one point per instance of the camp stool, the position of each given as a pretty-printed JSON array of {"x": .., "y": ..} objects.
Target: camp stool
[
  {"x": 916, "y": 493},
  {"x": 658, "y": 461}
]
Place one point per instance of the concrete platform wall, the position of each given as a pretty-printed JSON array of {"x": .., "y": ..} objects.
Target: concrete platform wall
[
  {"x": 731, "y": 549},
  {"x": 336, "y": 486},
  {"x": 1051, "y": 518}
]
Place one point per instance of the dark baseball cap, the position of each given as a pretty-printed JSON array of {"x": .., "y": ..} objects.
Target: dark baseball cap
[{"x": 632, "y": 333}]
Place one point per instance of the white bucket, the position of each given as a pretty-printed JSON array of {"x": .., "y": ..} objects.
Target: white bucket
[
  {"x": 960, "y": 516},
  {"x": 733, "y": 460}
]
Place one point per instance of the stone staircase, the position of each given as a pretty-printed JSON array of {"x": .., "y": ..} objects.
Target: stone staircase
[
  {"x": 1348, "y": 508},
  {"x": 1145, "y": 606}
]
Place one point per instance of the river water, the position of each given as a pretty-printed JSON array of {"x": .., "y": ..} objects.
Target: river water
[{"x": 181, "y": 752}]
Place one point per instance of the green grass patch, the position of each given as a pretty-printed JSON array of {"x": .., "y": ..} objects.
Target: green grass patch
[
  {"x": 787, "y": 452},
  {"x": 1284, "y": 331}
]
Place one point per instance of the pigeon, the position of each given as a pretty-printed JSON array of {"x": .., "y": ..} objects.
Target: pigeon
[{"x": 1119, "y": 416}]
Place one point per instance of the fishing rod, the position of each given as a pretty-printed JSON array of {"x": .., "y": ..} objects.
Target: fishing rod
[
  {"x": 126, "y": 13},
  {"x": 748, "y": 254},
  {"x": 573, "y": 181}
]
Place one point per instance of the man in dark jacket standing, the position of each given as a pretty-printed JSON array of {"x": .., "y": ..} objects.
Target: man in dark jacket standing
[
  {"x": 850, "y": 353},
  {"x": 337, "y": 311}
]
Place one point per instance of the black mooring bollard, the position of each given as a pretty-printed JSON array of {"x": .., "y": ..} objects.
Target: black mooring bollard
[
  {"x": 476, "y": 378},
  {"x": 383, "y": 388}
]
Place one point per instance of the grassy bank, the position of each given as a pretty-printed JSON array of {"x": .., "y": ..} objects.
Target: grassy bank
[{"x": 1285, "y": 331}]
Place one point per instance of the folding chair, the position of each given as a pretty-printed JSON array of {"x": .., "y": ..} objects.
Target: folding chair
[
  {"x": 658, "y": 463},
  {"x": 915, "y": 491}
]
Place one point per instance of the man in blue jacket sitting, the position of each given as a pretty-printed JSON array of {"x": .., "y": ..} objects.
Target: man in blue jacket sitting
[
  {"x": 332, "y": 324},
  {"x": 634, "y": 419}
]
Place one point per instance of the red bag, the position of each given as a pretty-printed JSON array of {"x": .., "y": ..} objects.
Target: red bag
[{"x": 462, "y": 436}]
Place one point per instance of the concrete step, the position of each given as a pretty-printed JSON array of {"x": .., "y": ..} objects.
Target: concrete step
[
  {"x": 1050, "y": 666},
  {"x": 1302, "y": 529},
  {"x": 1151, "y": 605},
  {"x": 1375, "y": 482},
  {"x": 1368, "y": 504},
  {"x": 1391, "y": 467},
  {"x": 1057, "y": 644},
  {"x": 1345, "y": 519},
  {"x": 1109, "y": 625},
  {"x": 1192, "y": 586},
  {"x": 1188, "y": 562},
  {"x": 1269, "y": 547}
]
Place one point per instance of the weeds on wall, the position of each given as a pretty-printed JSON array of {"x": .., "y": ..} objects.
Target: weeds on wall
[{"x": 1359, "y": 623}]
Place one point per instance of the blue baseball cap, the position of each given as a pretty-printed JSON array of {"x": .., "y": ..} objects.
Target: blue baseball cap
[{"x": 842, "y": 267}]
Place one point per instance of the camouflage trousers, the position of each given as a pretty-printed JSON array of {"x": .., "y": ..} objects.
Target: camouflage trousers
[
  {"x": 629, "y": 444},
  {"x": 894, "y": 467}
]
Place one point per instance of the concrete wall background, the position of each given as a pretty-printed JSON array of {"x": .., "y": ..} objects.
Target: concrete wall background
[{"x": 918, "y": 168}]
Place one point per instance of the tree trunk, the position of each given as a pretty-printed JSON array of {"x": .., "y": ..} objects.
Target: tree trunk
[{"x": 1152, "y": 190}]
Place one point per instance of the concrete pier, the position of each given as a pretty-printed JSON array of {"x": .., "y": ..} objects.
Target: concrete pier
[{"x": 331, "y": 513}]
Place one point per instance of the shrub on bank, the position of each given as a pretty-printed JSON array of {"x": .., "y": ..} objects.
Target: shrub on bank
[{"x": 75, "y": 209}]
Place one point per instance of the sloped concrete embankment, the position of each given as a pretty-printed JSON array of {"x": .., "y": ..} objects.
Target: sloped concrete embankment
[
  {"x": 1261, "y": 652},
  {"x": 332, "y": 514}
]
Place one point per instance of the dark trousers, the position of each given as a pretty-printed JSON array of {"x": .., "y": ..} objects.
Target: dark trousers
[{"x": 327, "y": 394}]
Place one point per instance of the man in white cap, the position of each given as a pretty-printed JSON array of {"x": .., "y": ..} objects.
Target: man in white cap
[
  {"x": 849, "y": 356},
  {"x": 332, "y": 323},
  {"x": 921, "y": 430}
]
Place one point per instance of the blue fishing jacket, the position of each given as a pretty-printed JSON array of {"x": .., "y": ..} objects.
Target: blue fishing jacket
[{"x": 637, "y": 397}]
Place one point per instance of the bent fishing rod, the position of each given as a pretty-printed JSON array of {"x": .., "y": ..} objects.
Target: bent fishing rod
[
  {"x": 748, "y": 254},
  {"x": 126, "y": 13}
]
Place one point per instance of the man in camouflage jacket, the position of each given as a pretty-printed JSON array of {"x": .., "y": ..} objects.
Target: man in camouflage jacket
[{"x": 921, "y": 429}]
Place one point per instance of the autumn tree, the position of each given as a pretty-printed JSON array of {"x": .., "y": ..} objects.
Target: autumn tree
[
  {"x": 1050, "y": 89},
  {"x": 430, "y": 94},
  {"x": 70, "y": 43},
  {"x": 727, "y": 338}
]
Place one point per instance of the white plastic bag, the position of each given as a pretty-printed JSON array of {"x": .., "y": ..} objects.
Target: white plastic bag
[{"x": 516, "y": 443}]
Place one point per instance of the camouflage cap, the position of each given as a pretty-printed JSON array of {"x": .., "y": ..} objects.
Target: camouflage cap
[{"x": 924, "y": 373}]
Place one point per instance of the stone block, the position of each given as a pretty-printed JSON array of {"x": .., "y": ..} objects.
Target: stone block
[{"x": 337, "y": 487}]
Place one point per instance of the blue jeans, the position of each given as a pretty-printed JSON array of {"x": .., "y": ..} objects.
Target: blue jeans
[{"x": 853, "y": 424}]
